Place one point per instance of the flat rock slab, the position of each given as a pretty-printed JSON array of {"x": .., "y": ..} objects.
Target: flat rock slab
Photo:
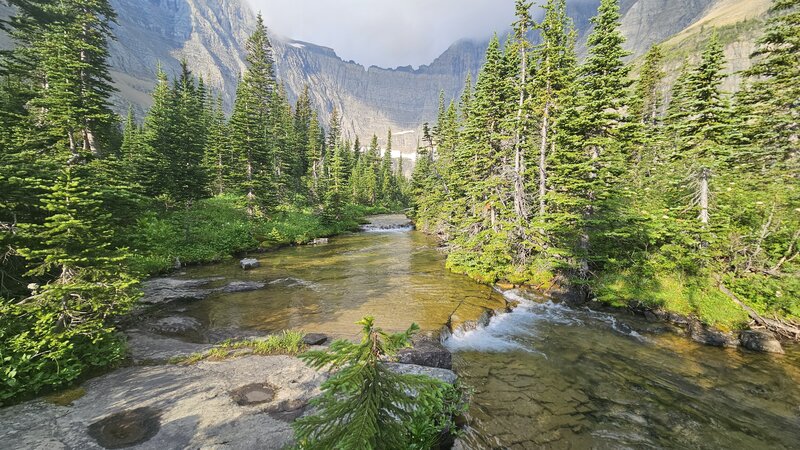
[
  {"x": 159, "y": 291},
  {"x": 171, "y": 407},
  {"x": 165, "y": 290}
]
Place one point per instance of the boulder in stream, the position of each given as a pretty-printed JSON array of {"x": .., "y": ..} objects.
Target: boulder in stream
[
  {"x": 249, "y": 263},
  {"x": 709, "y": 336},
  {"x": 320, "y": 241},
  {"x": 428, "y": 352},
  {"x": 760, "y": 341}
]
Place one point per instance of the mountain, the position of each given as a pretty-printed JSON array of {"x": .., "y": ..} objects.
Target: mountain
[{"x": 210, "y": 35}]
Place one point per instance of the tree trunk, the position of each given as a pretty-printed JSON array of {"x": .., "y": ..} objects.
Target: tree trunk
[
  {"x": 519, "y": 157},
  {"x": 543, "y": 160},
  {"x": 704, "y": 173}
]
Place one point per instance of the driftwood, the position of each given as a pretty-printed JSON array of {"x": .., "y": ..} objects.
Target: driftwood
[{"x": 777, "y": 326}]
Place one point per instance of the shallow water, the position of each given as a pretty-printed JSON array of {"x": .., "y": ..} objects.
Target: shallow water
[
  {"x": 544, "y": 376},
  {"x": 549, "y": 376},
  {"x": 397, "y": 276}
]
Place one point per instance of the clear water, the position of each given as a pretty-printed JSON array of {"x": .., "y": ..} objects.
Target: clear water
[
  {"x": 544, "y": 376},
  {"x": 397, "y": 276},
  {"x": 549, "y": 376}
]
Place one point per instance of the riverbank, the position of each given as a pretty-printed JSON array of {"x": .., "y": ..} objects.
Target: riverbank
[
  {"x": 700, "y": 307},
  {"x": 217, "y": 228}
]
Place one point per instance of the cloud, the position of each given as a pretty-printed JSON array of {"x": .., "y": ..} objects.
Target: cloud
[{"x": 386, "y": 33}]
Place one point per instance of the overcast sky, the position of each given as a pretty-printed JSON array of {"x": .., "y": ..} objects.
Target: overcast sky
[{"x": 386, "y": 33}]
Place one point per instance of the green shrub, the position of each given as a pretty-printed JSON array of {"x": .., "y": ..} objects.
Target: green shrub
[{"x": 37, "y": 354}]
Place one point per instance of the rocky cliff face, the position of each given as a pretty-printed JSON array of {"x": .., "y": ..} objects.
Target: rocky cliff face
[{"x": 210, "y": 35}]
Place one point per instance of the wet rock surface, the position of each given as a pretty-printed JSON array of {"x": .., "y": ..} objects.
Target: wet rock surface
[
  {"x": 709, "y": 336},
  {"x": 126, "y": 428},
  {"x": 428, "y": 352},
  {"x": 760, "y": 341},
  {"x": 165, "y": 290},
  {"x": 242, "y": 286},
  {"x": 149, "y": 348},
  {"x": 253, "y": 394},
  {"x": 176, "y": 325}
]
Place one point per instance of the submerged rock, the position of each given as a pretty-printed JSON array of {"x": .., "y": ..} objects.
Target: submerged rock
[
  {"x": 150, "y": 348},
  {"x": 176, "y": 325},
  {"x": 242, "y": 286},
  {"x": 760, "y": 341},
  {"x": 249, "y": 263},
  {"x": 428, "y": 352}
]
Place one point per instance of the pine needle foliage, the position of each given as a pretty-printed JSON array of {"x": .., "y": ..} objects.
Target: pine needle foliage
[{"x": 363, "y": 404}]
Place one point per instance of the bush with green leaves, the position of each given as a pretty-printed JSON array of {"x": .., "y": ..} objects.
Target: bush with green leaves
[{"x": 364, "y": 405}]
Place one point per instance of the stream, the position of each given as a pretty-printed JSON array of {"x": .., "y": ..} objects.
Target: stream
[{"x": 543, "y": 376}]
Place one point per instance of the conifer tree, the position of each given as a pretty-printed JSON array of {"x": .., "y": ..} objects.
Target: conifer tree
[
  {"x": 772, "y": 96},
  {"x": 364, "y": 405},
  {"x": 705, "y": 125},
  {"x": 554, "y": 71},
  {"x": 217, "y": 152},
  {"x": 594, "y": 126},
  {"x": 250, "y": 123}
]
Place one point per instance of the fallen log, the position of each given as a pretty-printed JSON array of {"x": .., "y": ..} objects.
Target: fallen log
[{"x": 784, "y": 329}]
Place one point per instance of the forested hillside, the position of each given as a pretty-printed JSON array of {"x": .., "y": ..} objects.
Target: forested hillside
[
  {"x": 554, "y": 171},
  {"x": 90, "y": 205}
]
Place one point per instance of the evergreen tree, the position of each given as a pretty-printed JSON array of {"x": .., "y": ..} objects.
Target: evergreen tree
[
  {"x": 771, "y": 98},
  {"x": 217, "y": 152},
  {"x": 250, "y": 124},
  {"x": 363, "y": 405}
]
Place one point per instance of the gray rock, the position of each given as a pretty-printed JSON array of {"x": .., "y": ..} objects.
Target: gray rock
[
  {"x": 172, "y": 406},
  {"x": 249, "y": 263},
  {"x": 176, "y": 325},
  {"x": 428, "y": 352},
  {"x": 320, "y": 241},
  {"x": 709, "y": 336},
  {"x": 447, "y": 376},
  {"x": 760, "y": 341},
  {"x": 165, "y": 290},
  {"x": 315, "y": 339},
  {"x": 242, "y": 286}
]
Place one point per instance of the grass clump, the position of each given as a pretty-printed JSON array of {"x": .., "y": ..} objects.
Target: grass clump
[{"x": 285, "y": 343}]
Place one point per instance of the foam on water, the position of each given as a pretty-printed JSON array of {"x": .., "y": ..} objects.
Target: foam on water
[{"x": 503, "y": 333}]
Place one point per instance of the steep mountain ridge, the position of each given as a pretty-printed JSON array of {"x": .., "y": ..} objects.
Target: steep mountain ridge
[{"x": 210, "y": 35}]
